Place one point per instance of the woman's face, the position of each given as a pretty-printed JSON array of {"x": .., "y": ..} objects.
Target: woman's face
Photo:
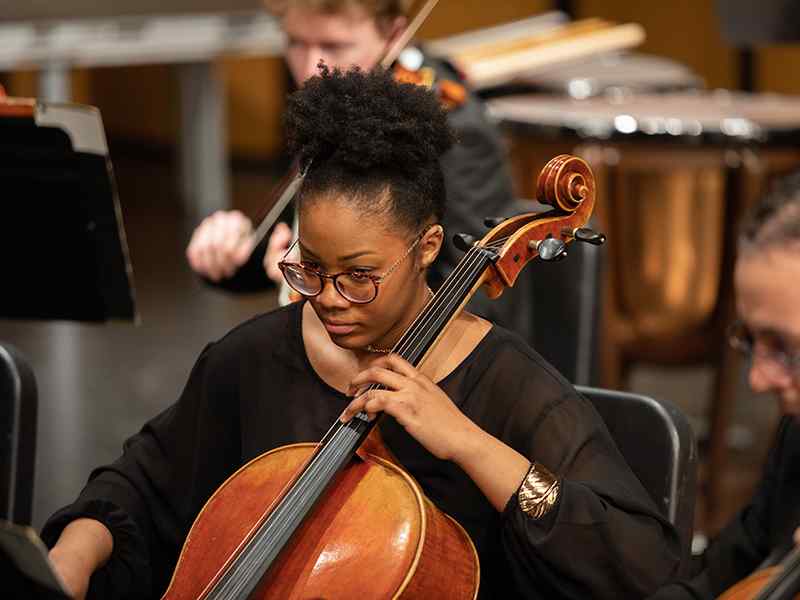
[
  {"x": 334, "y": 238},
  {"x": 767, "y": 300}
]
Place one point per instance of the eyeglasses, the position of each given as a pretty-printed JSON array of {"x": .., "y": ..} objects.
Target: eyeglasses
[
  {"x": 357, "y": 287},
  {"x": 767, "y": 346}
]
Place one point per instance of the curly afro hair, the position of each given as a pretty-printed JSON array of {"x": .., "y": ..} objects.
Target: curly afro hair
[{"x": 371, "y": 140}]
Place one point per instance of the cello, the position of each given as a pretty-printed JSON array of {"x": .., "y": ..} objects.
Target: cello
[{"x": 309, "y": 520}]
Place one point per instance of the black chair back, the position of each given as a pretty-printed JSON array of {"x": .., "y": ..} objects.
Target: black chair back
[
  {"x": 656, "y": 440},
  {"x": 18, "y": 403}
]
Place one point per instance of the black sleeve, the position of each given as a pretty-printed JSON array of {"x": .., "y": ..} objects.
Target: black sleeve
[
  {"x": 149, "y": 497},
  {"x": 604, "y": 538},
  {"x": 741, "y": 547}
]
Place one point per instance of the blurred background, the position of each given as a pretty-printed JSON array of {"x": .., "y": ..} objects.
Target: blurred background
[{"x": 660, "y": 295}]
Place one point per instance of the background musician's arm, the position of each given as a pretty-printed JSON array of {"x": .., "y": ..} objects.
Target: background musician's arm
[{"x": 741, "y": 547}]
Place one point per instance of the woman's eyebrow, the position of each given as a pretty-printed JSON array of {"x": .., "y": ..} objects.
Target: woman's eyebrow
[
  {"x": 355, "y": 255},
  {"x": 345, "y": 258}
]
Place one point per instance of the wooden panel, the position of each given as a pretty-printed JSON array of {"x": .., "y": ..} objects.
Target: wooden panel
[
  {"x": 138, "y": 103},
  {"x": 684, "y": 30},
  {"x": 776, "y": 69},
  {"x": 256, "y": 98},
  {"x": 22, "y": 84},
  {"x": 449, "y": 17}
]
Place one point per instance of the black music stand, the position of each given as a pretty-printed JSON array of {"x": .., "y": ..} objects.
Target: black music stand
[{"x": 63, "y": 253}]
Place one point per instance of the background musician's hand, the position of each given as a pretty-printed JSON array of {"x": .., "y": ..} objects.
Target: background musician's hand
[
  {"x": 220, "y": 245},
  {"x": 278, "y": 243},
  {"x": 797, "y": 536},
  {"x": 416, "y": 402}
]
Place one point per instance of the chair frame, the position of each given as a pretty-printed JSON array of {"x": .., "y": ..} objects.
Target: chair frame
[
  {"x": 677, "y": 499},
  {"x": 18, "y": 414}
]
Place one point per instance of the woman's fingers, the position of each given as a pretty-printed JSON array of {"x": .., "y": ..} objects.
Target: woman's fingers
[
  {"x": 371, "y": 402},
  {"x": 376, "y": 375}
]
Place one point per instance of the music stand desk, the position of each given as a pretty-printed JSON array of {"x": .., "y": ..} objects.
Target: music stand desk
[{"x": 63, "y": 253}]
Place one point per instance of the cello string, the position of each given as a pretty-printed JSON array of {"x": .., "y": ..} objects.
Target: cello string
[
  {"x": 443, "y": 300},
  {"x": 462, "y": 271}
]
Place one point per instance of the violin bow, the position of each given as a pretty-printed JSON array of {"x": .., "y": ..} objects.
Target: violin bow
[{"x": 288, "y": 187}]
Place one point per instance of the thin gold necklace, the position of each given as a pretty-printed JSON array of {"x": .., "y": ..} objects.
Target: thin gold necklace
[{"x": 381, "y": 350}]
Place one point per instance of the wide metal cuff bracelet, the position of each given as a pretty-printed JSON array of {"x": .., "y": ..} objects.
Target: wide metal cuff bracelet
[{"x": 538, "y": 492}]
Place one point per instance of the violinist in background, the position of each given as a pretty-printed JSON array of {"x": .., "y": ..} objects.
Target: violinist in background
[
  {"x": 495, "y": 437},
  {"x": 767, "y": 286},
  {"x": 345, "y": 33}
]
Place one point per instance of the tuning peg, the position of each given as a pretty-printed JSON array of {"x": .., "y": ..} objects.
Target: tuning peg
[
  {"x": 493, "y": 221},
  {"x": 584, "y": 234},
  {"x": 552, "y": 249},
  {"x": 463, "y": 241}
]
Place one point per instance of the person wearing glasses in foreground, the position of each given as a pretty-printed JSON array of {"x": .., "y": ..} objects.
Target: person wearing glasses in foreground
[
  {"x": 494, "y": 435},
  {"x": 767, "y": 287}
]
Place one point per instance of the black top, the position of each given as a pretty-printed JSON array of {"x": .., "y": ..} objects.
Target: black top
[
  {"x": 761, "y": 531},
  {"x": 478, "y": 184},
  {"x": 255, "y": 390}
]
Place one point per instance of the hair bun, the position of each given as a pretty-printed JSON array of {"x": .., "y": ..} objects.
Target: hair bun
[{"x": 365, "y": 120}]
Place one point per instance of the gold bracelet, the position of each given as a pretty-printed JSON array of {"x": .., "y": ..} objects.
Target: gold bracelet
[{"x": 538, "y": 492}]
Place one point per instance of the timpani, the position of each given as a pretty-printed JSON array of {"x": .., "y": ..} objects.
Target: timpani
[{"x": 674, "y": 171}]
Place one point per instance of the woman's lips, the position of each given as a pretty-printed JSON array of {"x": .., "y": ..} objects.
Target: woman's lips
[{"x": 338, "y": 328}]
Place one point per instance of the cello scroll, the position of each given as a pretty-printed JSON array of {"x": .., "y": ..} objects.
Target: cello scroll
[{"x": 567, "y": 184}]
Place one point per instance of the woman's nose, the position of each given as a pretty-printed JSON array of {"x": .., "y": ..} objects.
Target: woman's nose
[{"x": 330, "y": 297}]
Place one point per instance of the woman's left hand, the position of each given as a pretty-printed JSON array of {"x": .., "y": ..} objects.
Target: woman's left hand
[{"x": 416, "y": 402}]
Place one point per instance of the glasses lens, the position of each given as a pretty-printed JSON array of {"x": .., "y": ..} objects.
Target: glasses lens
[
  {"x": 356, "y": 287},
  {"x": 302, "y": 280}
]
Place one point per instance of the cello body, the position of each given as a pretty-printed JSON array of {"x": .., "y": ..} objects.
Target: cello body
[{"x": 375, "y": 526}]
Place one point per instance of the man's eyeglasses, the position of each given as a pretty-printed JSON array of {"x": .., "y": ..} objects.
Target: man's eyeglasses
[
  {"x": 357, "y": 287},
  {"x": 768, "y": 346}
]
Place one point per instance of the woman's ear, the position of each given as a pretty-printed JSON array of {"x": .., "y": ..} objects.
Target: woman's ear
[{"x": 430, "y": 245}]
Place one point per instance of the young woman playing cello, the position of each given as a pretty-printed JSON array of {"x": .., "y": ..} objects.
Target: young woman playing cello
[{"x": 494, "y": 436}]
